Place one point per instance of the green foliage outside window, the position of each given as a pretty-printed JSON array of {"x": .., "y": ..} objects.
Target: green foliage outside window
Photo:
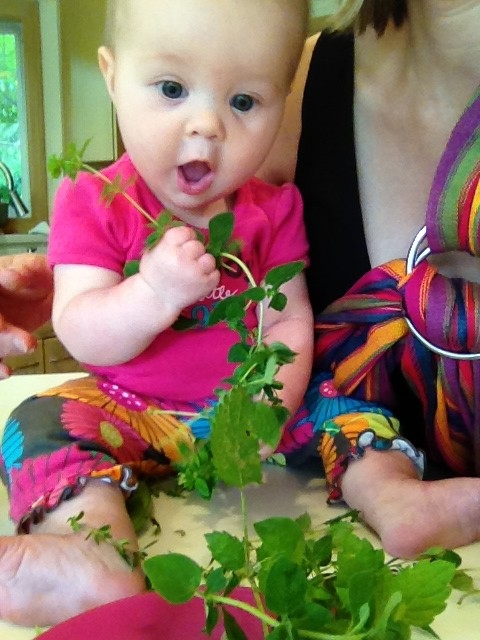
[{"x": 10, "y": 151}]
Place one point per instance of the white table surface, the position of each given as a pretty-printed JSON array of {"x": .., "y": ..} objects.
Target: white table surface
[{"x": 185, "y": 520}]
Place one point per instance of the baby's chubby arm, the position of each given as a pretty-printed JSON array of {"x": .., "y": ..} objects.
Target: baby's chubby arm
[
  {"x": 104, "y": 319},
  {"x": 294, "y": 327}
]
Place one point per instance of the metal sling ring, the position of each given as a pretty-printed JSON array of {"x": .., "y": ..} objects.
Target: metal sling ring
[{"x": 412, "y": 261}]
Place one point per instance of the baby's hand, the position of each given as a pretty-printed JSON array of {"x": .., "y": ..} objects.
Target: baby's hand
[{"x": 178, "y": 268}]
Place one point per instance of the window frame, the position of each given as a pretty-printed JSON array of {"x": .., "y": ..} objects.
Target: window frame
[{"x": 26, "y": 12}]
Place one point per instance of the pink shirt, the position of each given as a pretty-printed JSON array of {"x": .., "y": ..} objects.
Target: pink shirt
[{"x": 187, "y": 365}]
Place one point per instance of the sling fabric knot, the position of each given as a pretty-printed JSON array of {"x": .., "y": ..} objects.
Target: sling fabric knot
[{"x": 446, "y": 311}]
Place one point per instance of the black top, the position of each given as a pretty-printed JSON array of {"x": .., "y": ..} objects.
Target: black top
[{"x": 327, "y": 173}]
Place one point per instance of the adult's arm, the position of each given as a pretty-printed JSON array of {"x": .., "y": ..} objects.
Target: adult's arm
[{"x": 26, "y": 288}]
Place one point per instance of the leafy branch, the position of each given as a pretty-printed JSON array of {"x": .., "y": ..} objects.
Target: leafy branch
[
  {"x": 336, "y": 586},
  {"x": 103, "y": 534},
  {"x": 333, "y": 586}
]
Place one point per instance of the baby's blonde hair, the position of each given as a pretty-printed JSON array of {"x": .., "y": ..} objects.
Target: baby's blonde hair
[{"x": 298, "y": 8}]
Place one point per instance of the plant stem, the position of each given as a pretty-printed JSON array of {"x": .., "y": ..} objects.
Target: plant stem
[
  {"x": 246, "y": 547},
  {"x": 253, "y": 284},
  {"x": 269, "y": 621},
  {"x": 106, "y": 180},
  {"x": 248, "y": 608}
]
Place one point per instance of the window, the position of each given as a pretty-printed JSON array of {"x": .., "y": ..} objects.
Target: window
[
  {"x": 22, "y": 146},
  {"x": 13, "y": 128}
]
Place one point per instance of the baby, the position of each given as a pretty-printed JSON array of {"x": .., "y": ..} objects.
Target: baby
[{"x": 199, "y": 88}]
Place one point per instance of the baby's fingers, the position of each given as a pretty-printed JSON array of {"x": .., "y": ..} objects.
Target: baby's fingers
[
  {"x": 178, "y": 236},
  {"x": 207, "y": 264},
  {"x": 15, "y": 341}
]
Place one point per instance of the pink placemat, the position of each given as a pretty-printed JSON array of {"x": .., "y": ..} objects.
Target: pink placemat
[{"x": 149, "y": 617}]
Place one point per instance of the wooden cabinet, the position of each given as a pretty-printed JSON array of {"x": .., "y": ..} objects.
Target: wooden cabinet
[{"x": 50, "y": 356}]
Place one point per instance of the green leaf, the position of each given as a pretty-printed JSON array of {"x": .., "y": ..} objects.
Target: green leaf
[
  {"x": 320, "y": 552},
  {"x": 140, "y": 507},
  {"x": 283, "y": 353},
  {"x": 212, "y": 617},
  {"x": 230, "y": 310},
  {"x": 280, "y": 537},
  {"x": 174, "y": 576},
  {"x": 117, "y": 186},
  {"x": 354, "y": 553},
  {"x": 202, "y": 488},
  {"x": 311, "y": 617},
  {"x": 131, "y": 268},
  {"x": 362, "y": 589},
  {"x": 232, "y": 584},
  {"x": 425, "y": 588},
  {"x": 463, "y": 582},
  {"x": 283, "y": 273},
  {"x": 233, "y": 441},
  {"x": 278, "y": 301},
  {"x": 220, "y": 229},
  {"x": 255, "y": 294},
  {"x": 54, "y": 166},
  {"x": 384, "y": 627},
  {"x": 215, "y": 581},
  {"x": 164, "y": 222},
  {"x": 239, "y": 352},
  {"x": 439, "y": 553},
  {"x": 285, "y": 587},
  {"x": 183, "y": 324},
  {"x": 267, "y": 424},
  {"x": 196, "y": 471},
  {"x": 69, "y": 163},
  {"x": 282, "y": 632},
  {"x": 226, "y": 549},
  {"x": 232, "y": 629}
]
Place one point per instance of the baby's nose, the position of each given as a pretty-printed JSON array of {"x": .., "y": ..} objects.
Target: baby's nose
[{"x": 206, "y": 123}]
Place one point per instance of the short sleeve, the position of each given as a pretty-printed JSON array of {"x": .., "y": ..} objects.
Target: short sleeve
[
  {"x": 288, "y": 240},
  {"x": 87, "y": 230}
]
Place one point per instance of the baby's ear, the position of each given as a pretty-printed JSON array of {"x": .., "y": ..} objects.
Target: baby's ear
[{"x": 106, "y": 62}]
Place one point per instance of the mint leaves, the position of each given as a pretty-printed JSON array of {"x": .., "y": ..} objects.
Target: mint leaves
[{"x": 335, "y": 585}]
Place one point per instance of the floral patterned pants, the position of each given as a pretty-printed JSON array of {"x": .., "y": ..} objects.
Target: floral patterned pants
[{"x": 90, "y": 428}]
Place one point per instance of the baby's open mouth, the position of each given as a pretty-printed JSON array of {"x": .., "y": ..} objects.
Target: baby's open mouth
[
  {"x": 194, "y": 171},
  {"x": 195, "y": 177}
]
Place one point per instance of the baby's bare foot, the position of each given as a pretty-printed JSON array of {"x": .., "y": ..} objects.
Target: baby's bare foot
[
  {"x": 420, "y": 514},
  {"x": 409, "y": 514},
  {"x": 47, "y": 578}
]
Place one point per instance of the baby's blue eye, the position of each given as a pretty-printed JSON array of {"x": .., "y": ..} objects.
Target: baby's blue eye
[
  {"x": 171, "y": 89},
  {"x": 242, "y": 102}
]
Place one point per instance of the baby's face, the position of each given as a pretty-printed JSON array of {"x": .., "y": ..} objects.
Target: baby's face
[{"x": 199, "y": 88}]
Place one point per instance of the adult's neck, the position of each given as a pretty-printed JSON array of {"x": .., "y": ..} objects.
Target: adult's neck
[
  {"x": 446, "y": 33},
  {"x": 437, "y": 49}
]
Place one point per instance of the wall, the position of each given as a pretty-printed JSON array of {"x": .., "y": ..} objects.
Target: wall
[
  {"x": 77, "y": 105},
  {"x": 87, "y": 106}
]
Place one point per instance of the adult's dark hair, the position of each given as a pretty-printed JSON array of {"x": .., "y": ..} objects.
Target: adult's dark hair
[{"x": 357, "y": 15}]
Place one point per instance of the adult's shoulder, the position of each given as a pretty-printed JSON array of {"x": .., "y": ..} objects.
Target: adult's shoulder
[{"x": 279, "y": 166}]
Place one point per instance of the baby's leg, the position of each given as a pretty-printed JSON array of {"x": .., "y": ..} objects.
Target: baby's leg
[
  {"x": 409, "y": 514},
  {"x": 52, "y": 573}
]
